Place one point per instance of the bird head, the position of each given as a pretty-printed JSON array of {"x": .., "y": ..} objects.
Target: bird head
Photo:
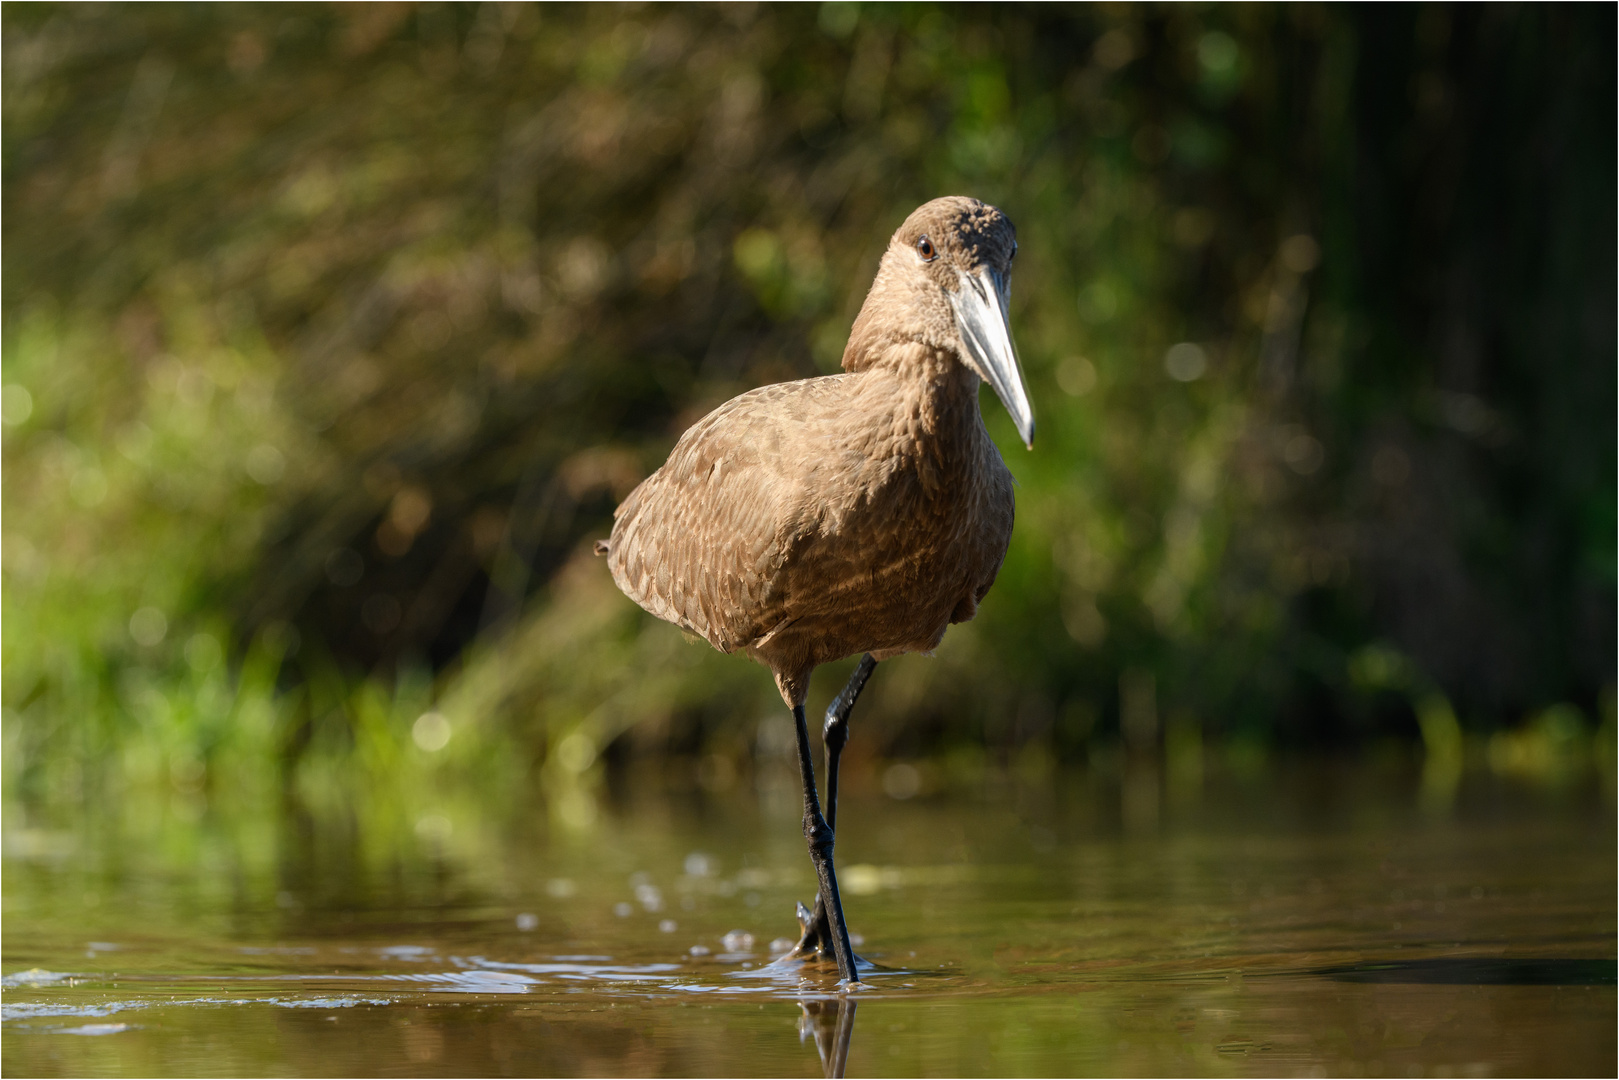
[{"x": 945, "y": 281}]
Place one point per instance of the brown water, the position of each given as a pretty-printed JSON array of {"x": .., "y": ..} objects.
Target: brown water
[{"x": 1306, "y": 920}]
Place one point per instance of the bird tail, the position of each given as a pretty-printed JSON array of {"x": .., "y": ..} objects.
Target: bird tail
[{"x": 602, "y": 547}]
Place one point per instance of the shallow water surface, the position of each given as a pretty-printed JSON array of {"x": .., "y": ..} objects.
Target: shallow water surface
[{"x": 1313, "y": 920}]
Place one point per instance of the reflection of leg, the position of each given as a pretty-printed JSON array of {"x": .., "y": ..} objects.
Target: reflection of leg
[
  {"x": 818, "y": 834},
  {"x": 831, "y": 1023},
  {"x": 835, "y": 733},
  {"x": 838, "y": 1060}
]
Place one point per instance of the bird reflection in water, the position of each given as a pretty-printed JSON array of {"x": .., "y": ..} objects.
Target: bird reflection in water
[{"x": 831, "y": 1022}]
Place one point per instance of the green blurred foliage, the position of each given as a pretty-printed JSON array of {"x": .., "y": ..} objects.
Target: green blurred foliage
[{"x": 333, "y": 335}]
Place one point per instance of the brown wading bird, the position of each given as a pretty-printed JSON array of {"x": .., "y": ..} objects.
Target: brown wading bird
[{"x": 857, "y": 513}]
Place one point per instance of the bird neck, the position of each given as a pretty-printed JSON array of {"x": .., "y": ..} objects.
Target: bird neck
[{"x": 934, "y": 401}]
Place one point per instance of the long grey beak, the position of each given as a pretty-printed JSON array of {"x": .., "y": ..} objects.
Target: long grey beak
[{"x": 986, "y": 329}]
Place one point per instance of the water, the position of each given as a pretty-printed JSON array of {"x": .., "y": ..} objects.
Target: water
[{"x": 1303, "y": 920}]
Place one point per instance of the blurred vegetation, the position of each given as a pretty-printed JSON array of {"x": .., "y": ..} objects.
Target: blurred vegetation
[{"x": 332, "y": 335}]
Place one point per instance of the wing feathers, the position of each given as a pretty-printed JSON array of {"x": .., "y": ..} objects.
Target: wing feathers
[
  {"x": 702, "y": 540},
  {"x": 804, "y": 509}
]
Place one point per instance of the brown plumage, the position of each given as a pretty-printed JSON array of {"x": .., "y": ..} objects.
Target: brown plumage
[{"x": 862, "y": 512}]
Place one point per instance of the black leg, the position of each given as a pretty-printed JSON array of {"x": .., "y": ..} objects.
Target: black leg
[
  {"x": 818, "y": 834},
  {"x": 816, "y": 932},
  {"x": 835, "y": 732}
]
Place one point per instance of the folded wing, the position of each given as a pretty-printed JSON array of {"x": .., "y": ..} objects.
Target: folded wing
[{"x": 704, "y": 542}]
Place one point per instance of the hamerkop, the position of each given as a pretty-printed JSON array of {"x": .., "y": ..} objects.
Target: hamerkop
[{"x": 857, "y": 513}]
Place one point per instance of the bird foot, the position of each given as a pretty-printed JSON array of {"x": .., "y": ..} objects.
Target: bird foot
[
  {"x": 815, "y": 943},
  {"x": 814, "y": 938}
]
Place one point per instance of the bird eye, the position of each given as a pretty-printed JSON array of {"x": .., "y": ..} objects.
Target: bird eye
[{"x": 924, "y": 248}]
